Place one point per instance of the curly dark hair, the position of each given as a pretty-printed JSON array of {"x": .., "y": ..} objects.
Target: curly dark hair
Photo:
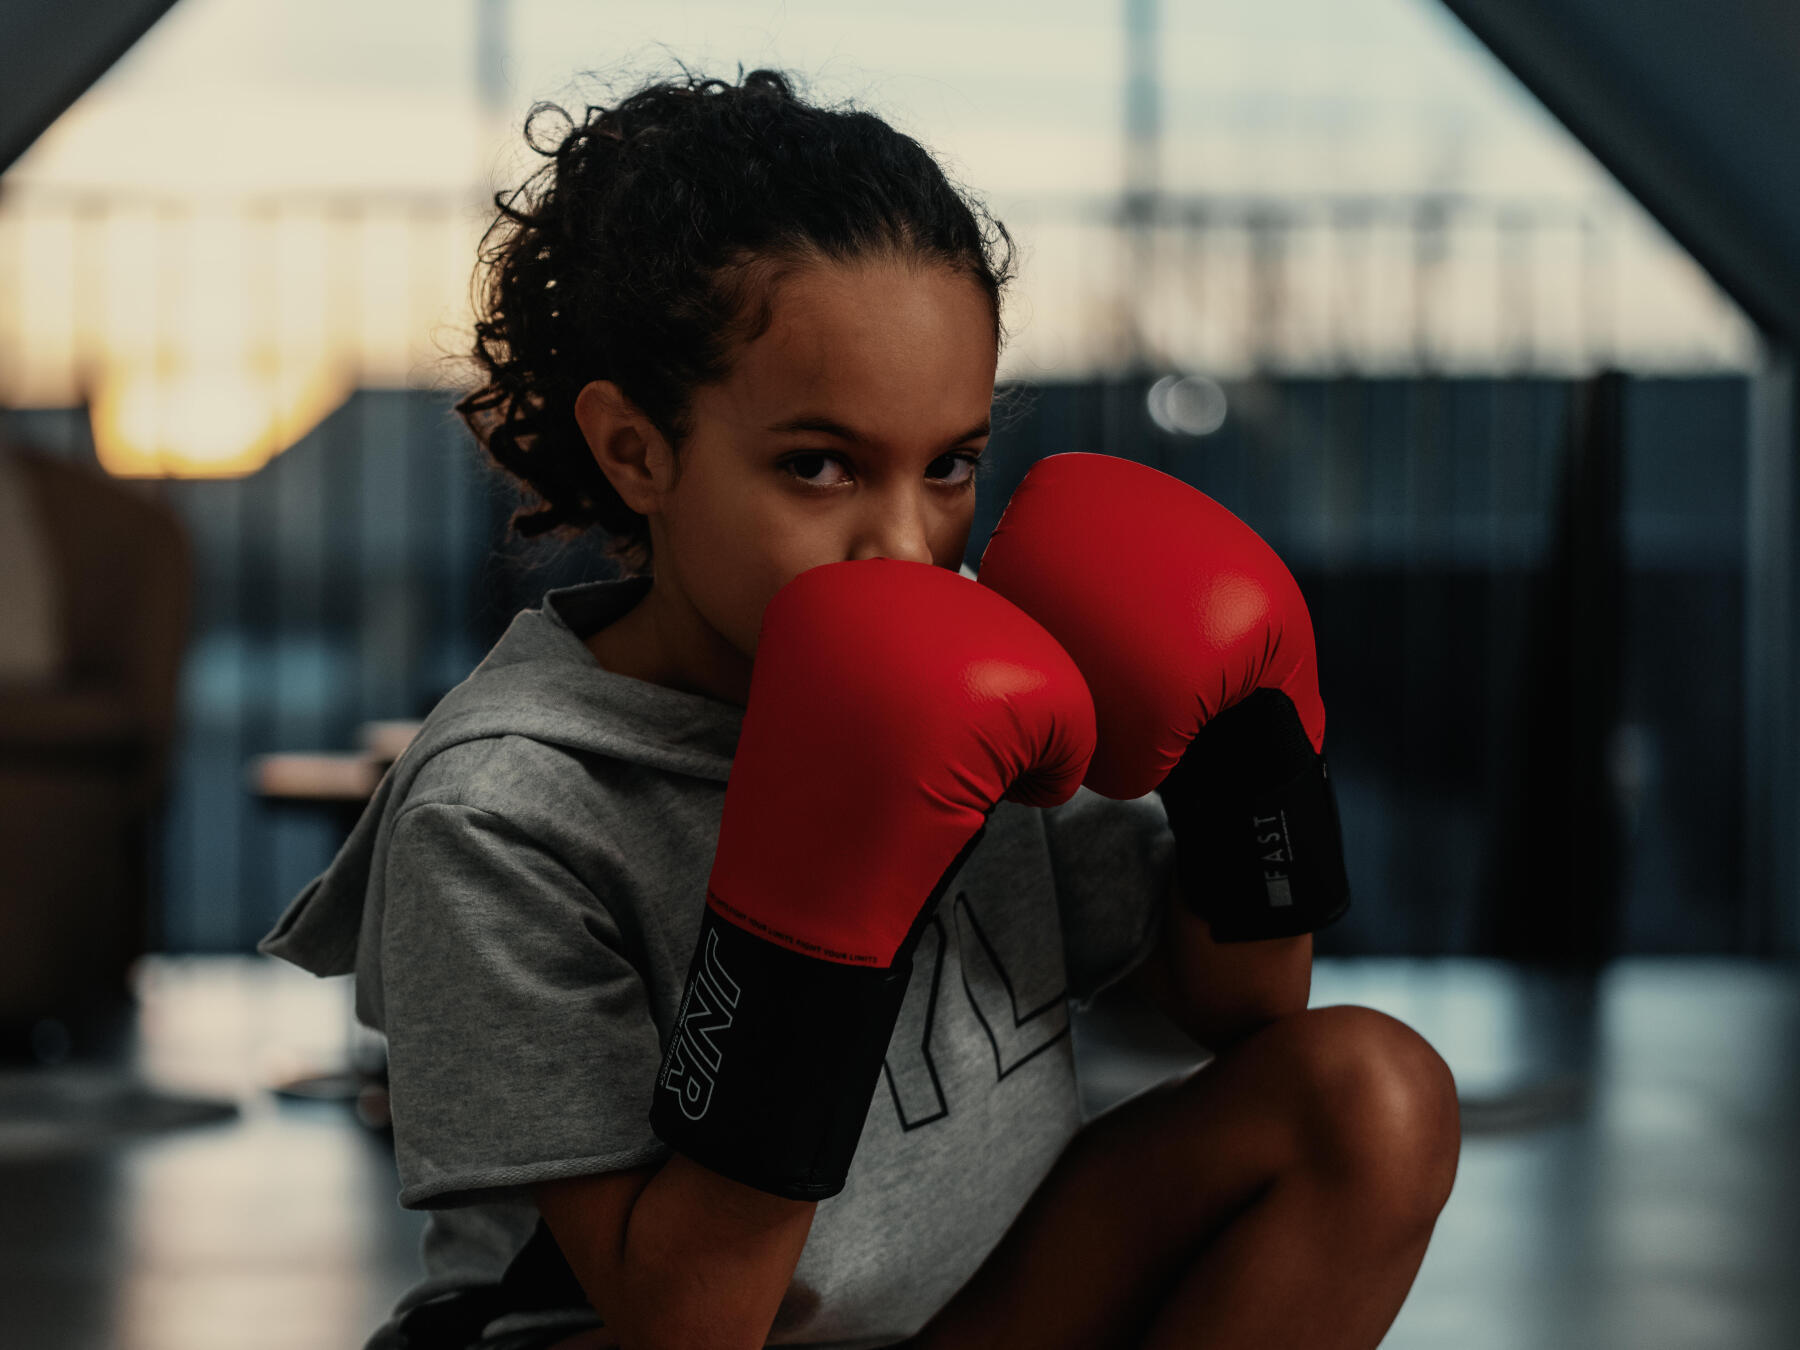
[{"x": 646, "y": 251}]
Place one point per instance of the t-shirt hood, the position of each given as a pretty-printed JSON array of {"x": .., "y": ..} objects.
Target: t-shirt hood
[{"x": 539, "y": 681}]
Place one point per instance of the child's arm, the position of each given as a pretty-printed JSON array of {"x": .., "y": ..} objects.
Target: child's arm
[
  {"x": 1219, "y": 993},
  {"x": 678, "y": 1255}
]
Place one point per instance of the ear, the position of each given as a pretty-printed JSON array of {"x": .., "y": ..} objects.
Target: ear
[{"x": 631, "y": 452}]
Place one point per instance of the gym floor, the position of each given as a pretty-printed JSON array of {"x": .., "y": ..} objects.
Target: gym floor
[{"x": 1630, "y": 1176}]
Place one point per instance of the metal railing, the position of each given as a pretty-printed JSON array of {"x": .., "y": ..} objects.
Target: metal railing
[{"x": 373, "y": 289}]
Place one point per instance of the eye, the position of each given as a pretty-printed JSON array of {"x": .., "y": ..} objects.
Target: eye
[
  {"x": 804, "y": 467},
  {"x": 962, "y": 457}
]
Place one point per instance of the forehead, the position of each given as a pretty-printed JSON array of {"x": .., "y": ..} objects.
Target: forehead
[{"x": 870, "y": 340}]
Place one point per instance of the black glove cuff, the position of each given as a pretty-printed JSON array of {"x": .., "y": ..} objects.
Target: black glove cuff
[
  {"x": 773, "y": 1061},
  {"x": 774, "y": 1057},
  {"x": 1259, "y": 852}
]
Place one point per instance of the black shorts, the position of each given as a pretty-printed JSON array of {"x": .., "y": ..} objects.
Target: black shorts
[
  {"x": 538, "y": 1280},
  {"x": 540, "y": 1339}
]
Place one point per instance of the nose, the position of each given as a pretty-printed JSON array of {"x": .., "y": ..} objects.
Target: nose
[{"x": 896, "y": 524}]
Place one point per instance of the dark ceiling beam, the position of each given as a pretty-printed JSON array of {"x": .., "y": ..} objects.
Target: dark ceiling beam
[
  {"x": 1694, "y": 107},
  {"x": 52, "y": 52}
]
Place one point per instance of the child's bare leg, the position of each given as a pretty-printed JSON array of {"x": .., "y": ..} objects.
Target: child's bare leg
[{"x": 1281, "y": 1196}]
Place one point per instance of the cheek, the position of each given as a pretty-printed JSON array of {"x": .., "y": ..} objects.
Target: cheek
[
  {"x": 741, "y": 543},
  {"x": 950, "y": 537}
]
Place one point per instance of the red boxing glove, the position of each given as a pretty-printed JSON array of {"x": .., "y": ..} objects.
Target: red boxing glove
[
  {"x": 892, "y": 705},
  {"x": 1198, "y": 650}
]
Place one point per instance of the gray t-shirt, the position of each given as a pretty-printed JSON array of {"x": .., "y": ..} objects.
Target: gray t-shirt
[{"x": 519, "y": 903}]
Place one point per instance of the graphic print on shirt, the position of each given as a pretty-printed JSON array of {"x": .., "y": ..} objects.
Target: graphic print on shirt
[
  {"x": 1016, "y": 1036},
  {"x": 993, "y": 995}
]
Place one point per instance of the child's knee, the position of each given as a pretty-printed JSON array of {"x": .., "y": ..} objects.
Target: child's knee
[{"x": 1378, "y": 1108}]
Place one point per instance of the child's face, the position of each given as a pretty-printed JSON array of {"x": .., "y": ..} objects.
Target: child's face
[{"x": 843, "y": 432}]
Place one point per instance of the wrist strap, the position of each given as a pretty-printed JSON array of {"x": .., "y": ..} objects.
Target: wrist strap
[
  {"x": 774, "y": 1057},
  {"x": 1259, "y": 851}
]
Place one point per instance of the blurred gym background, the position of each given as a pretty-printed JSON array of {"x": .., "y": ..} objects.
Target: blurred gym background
[{"x": 1481, "y": 313}]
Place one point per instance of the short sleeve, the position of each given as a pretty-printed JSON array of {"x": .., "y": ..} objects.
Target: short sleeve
[
  {"x": 520, "y": 1042},
  {"x": 1113, "y": 862}
]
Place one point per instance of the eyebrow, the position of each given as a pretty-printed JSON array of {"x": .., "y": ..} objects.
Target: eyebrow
[{"x": 828, "y": 427}]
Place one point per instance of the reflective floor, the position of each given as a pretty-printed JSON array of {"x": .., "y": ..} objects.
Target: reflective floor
[{"x": 1630, "y": 1177}]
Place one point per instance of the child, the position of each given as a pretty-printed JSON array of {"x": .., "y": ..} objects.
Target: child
[{"x": 744, "y": 337}]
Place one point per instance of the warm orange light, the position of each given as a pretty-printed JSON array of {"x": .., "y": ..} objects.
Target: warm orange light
[{"x": 217, "y": 421}]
